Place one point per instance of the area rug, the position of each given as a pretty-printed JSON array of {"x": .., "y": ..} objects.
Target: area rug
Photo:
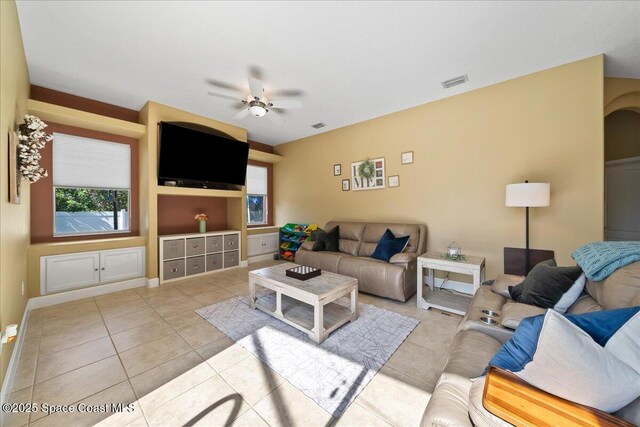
[{"x": 332, "y": 373}]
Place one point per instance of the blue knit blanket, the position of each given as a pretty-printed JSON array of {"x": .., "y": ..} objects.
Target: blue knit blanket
[{"x": 600, "y": 259}]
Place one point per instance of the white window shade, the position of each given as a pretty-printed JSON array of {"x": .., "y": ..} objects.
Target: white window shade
[
  {"x": 257, "y": 180},
  {"x": 90, "y": 163}
]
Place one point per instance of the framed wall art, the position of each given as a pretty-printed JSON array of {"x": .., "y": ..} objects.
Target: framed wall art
[
  {"x": 407, "y": 158},
  {"x": 337, "y": 170},
  {"x": 368, "y": 174},
  {"x": 394, "y": 181},
  {"x": 345, "y": 185}
]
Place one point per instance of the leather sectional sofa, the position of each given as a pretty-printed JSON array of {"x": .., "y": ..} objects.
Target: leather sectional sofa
[
  {"x": 476, "y": 342},
  {"x": 395, "y": 279}
]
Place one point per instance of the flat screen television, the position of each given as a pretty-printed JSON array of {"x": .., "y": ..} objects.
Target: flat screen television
[{"x": 197, "y": 156}]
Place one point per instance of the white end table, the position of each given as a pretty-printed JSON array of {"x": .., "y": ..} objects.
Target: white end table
[{"x": 472, "y": 265}]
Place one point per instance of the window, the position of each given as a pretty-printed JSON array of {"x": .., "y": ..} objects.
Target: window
[
  {"x": 91, "y": 185},
  {"x": 257, "y": 195}
]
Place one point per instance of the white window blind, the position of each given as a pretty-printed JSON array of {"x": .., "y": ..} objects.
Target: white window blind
[
  {"x": 90, "y": 163},
  {"x": 256, "y": 180}
]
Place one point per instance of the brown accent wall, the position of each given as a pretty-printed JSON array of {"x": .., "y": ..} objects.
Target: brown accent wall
[
  {"x": 42, "y": 209},
  {"x": 51, "y": 96},
  {"x": 254, "y": 145},
  {"x": 176, "y": 213},
  {"x": 270, "y": 198}
]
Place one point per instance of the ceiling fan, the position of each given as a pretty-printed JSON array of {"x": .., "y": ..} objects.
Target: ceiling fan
[{"x": 257, "y": 105}]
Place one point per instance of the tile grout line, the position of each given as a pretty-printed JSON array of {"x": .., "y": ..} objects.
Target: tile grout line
[{"x": 123, "y": 368}]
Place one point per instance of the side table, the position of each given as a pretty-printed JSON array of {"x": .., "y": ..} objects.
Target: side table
[{"x": 445, "y": 301}]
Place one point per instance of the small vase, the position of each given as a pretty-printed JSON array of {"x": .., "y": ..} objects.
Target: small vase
[{"x": 203, "y": 226}]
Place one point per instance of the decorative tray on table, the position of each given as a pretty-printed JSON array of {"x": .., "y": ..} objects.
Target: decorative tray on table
[{"x": 303, "y": 273}]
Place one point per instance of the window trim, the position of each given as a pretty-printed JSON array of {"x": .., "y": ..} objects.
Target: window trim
[
  {"x": 270, "y": 196},
  {"x": 41, "y": 218},
  {"x": 101, "y": 232}
]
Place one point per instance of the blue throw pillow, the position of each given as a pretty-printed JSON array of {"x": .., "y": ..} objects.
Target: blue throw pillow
[
  {"x": 520, "y": 349},
  {"x": 389, "y": 245}
]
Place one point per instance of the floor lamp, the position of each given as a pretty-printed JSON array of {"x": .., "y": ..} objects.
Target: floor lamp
[{"x": 528, "y": 195}]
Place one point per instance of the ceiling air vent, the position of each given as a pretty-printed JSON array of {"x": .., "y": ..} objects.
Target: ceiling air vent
[
  {"x": 318, "y": 125},
  {"x": 454, "y": 81}
]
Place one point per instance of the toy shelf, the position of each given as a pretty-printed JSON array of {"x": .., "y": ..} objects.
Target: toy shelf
[{"x": 292, "y": 236}]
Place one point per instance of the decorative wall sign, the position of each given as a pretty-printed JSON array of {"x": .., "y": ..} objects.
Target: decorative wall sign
[
  {"x": 337, "y": 170},
  {"x": 394, "y": 181},
  {"x": 407, "y": 158},
  {"x": 14, "y": 174},
  {"x": 345, "y": 185},
  {"x": 377, "y": 180}
]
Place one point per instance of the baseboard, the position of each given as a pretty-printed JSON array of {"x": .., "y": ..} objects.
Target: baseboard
[
  {"x": 244, "y": 263},
  {"x": 465, "y": 288},
  {"x": 76, "y": 294},
  {"x": 15, "y": 356},
  {"x": 153, "y": 283},
  {"x": 258, "y": 258}
]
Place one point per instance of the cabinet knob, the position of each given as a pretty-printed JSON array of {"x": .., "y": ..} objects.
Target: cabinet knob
[
  {"x": 95, "y": 269},
  {"x": 103, "y": 268}
]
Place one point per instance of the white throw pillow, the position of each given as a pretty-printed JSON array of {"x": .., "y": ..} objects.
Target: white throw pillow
[
  {"x": 569, "y": 297},
  {"x": 570, "y": 364}
]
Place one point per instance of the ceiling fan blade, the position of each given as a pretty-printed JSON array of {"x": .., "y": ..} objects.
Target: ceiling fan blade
[
  {"x": 242, "y": 114},
  {"x": 256, "y": 88},
  {"x": 275, "y": 117},
  {"x": 286, "y": 103},
  {"x": 220, "y": 95}
]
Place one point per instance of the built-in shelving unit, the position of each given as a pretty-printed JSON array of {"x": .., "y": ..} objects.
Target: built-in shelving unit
[
  {"x": 82, "y": 119},
  {"x": 262, "y": 156},
  {"x": 195, "y": 254},
  {"x": 201, "y": 192}
]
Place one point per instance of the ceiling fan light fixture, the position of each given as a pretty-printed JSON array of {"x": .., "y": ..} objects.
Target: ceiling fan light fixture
[{"x": 258, "y": 110}]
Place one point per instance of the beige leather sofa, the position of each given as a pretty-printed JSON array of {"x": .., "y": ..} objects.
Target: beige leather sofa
[
  {"x": 476, "y": 342},
  {"x": 395, "y": 279}
]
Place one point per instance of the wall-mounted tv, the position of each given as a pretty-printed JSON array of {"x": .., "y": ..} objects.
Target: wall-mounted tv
[{"x": 197, "y": 156}]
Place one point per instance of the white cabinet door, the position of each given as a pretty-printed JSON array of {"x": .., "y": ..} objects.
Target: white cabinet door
[
  {"x": 72, "y": 271},
  {"x": 271, "y": 243},
  {"x": 121, "y": 264},
  {"x": 254, "y": 245}
]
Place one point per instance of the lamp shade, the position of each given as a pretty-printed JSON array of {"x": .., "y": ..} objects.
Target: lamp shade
[{"x": 528, "y": 194}]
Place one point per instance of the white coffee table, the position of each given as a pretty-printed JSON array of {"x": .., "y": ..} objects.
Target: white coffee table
[{"x": 306, "y": 305}]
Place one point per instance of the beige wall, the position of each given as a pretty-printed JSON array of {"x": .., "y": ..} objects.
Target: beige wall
[
  {"x": 622, "y": 135},
  {"x": 546, "y": 126},
  {"x": 14, "y": 219}
]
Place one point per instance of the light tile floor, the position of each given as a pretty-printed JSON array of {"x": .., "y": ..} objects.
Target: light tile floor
[{"x": 147, "y": 348}]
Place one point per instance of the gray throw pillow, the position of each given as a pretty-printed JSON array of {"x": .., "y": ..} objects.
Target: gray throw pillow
[{"x": 545, "y": 284}]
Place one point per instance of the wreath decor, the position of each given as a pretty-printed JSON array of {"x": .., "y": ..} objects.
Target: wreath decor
[{"x": 367, "y": 169}]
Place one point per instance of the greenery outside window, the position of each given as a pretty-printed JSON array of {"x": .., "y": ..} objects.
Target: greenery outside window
[{"x": 90, "y": 211}]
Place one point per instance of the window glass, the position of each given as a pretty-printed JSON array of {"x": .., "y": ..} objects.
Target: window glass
[
  {"x": 90, "y": 210},
  {"x": 256, "y": 209}
]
